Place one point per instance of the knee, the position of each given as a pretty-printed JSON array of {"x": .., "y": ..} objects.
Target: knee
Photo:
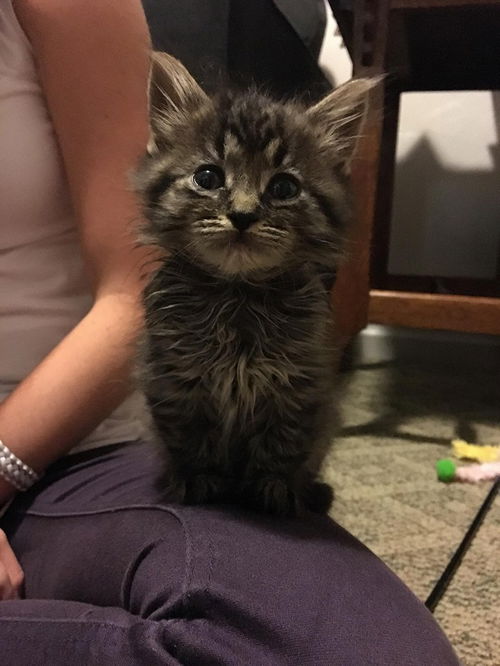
[{"x": 157, "y": 566}]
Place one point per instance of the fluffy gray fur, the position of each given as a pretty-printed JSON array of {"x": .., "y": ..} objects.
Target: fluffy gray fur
[{"x": 237, "y": 357}]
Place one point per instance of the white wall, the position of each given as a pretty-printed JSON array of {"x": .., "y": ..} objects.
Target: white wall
[
  {"x": 446, "y": 212},
  {"x": 334, "y": 58}
]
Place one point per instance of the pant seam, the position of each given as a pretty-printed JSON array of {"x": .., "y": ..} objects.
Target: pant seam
[{"x": 95, "y": 512}]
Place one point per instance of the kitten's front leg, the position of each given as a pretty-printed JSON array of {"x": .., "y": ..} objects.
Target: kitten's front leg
[
  {"x": 185, "y": 481},
  {"x": 194, "y": 487},
  {"x": 285, "y": 496},
  {"x": 207, "y": 488},
  {"x": 276, "y": 478},
  {"x": 193, "y": 472}
]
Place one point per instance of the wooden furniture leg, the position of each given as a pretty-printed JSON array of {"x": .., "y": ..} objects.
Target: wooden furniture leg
[
  {"x": 424, "y": 45},
  {"x": 351, "y": 292}
]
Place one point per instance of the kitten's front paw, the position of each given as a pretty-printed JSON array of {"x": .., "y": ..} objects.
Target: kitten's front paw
[
  {"x": 318, "y": 497},
  {"x": 271, "y": 495},
  {"x": 205, "y": 489},
  {"x": 170, "y": 488}
]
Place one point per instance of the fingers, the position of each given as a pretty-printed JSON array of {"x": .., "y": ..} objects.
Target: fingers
[{"x": 11, "y": 573}]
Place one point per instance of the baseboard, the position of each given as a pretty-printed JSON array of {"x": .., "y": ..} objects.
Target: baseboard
[{"x": 376, "y": 344}]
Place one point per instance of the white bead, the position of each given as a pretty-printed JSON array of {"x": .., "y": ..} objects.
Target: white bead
[{"x": 13, "y": 470}]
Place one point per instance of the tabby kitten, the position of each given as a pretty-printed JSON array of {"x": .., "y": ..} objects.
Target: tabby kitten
[{"x": 247, "y": 197}]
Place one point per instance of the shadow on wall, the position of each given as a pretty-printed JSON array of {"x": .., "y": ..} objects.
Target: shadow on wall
[
  {"x": 446, "y": 219},
  {"x": 443, "y": 200}
]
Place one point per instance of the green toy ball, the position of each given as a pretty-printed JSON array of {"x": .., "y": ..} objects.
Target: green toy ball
[{"x": 445, "y": 470}]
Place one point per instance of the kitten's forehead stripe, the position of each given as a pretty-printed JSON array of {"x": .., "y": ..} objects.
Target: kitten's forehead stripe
[
  {"x": 279, "y": 155},
  {"x": 253, "y": 127},
  {"x": 234, "y": 130},
  {"x": 271, "y": 148},
  {"x": 220, "y": 137},
  {"x": 231, "y": 144}
]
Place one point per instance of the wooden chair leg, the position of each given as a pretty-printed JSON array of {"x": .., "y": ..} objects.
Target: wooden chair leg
[
  {"x": 352, "y": 289},
  {"x": 350, "y": 295}
]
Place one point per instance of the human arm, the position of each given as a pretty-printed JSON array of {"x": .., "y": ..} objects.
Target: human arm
[
  {"x": 93, "y": 62},
  {"x": 11, "y": 574}
]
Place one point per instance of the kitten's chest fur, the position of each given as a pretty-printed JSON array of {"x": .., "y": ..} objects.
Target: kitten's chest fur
[
  {"x": 238, "y": 349},
  {"x": 238, "y": 377}
]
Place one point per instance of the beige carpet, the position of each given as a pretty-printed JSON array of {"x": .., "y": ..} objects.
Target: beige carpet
[{"x": 399, "y": 417}]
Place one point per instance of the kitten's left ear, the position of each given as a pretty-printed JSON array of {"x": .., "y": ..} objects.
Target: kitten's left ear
[
  {"x": 339, "y": 118},
  {"x": 173, "y": 96}
]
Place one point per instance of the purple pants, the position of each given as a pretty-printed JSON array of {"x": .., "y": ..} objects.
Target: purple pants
[{"x": 113, "y": 577}]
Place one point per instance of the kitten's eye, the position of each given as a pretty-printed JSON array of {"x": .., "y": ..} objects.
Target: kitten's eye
[
  {"x": 209, "y": 177},
  {"x": 283, "y": 186}
]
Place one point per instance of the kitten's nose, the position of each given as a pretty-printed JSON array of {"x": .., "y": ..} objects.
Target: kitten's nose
[{"x": 242, "y": 221}]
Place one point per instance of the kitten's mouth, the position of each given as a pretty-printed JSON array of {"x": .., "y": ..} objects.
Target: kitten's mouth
[
  {"x": 244, "y": 246},
  {"x": 242, "y": 252},
  {"x": 242, "y": 239},
  {"x": 237, "y": 241}
]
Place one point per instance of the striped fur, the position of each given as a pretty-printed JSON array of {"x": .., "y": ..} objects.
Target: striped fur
[{"x": 237, "y": 358}]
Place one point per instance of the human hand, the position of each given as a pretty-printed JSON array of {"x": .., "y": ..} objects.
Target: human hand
[{"x": 11, "y": 574}]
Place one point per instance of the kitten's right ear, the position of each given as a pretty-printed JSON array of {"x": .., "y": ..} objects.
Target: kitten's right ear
[
  {"x": 339, "y": 118},
  {"x": 173, "y": 96}
]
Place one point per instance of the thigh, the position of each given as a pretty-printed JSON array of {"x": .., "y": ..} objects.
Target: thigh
[
  {"x": 82, "y": 532},
  {"x": 232, "y": 586}
]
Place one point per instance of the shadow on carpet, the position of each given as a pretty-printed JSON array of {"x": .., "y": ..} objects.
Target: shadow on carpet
[{"x": 398, "y": 418}]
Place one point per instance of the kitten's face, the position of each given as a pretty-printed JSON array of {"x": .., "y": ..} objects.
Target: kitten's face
[{"x": 242, "y": 185}]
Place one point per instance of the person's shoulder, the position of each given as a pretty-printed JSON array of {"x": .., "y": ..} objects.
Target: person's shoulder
[
  {"x": 38, "y": 16},
  {"x": 53, "y": 8},
  {"x": 70, "y": 6}
]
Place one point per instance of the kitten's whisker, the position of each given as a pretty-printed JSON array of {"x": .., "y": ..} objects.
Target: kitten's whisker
[{"x": 273, "y": 230}]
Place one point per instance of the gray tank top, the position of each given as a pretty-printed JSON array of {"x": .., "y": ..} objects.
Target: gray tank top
[{"x": 43, "y": 289}]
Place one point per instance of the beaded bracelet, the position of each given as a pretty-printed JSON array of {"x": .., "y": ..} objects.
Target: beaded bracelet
[{"x": 14, "y": 471}]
